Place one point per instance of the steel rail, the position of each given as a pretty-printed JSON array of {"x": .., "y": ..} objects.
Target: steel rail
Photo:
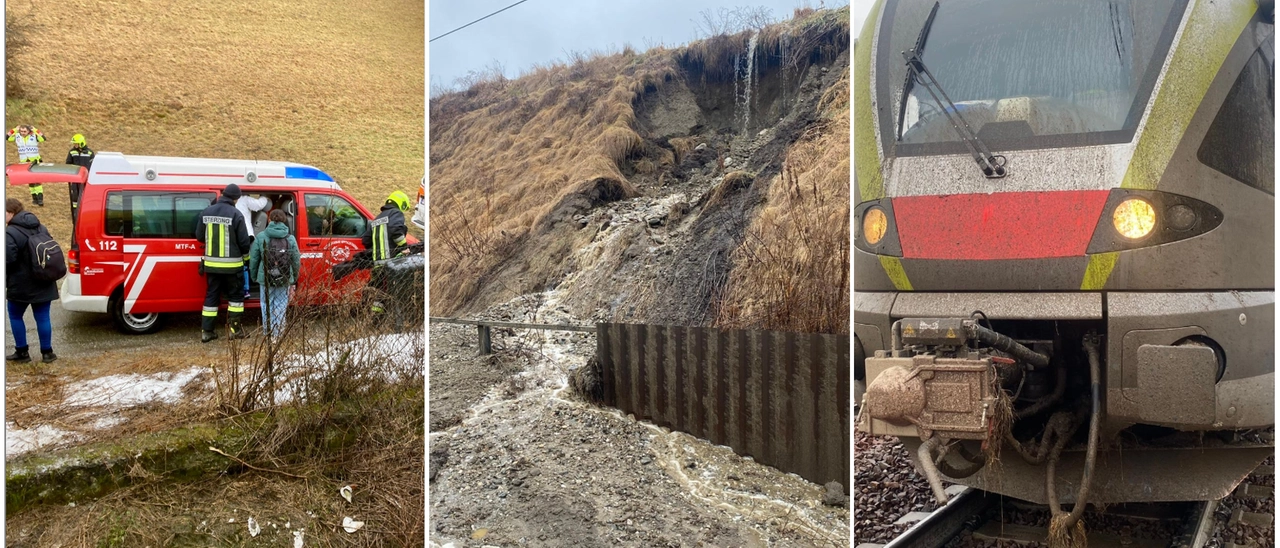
[{"x": 944, "y": 523}]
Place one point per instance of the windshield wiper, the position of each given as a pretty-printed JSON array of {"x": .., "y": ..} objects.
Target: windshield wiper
[{"x": 992, "y": 165}]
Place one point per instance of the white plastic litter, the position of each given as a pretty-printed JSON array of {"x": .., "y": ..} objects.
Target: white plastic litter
[
  {"x": 350, "y": 525},
  {"x": 345, "y": 492},
  {"x": 254, "y": 528},
  {"x": 297, "y": 539}
]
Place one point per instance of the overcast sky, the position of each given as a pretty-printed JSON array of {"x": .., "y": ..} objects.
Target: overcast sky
[
  {"x": 860, "y": 10},
  {"x": 542, "y": 31}
]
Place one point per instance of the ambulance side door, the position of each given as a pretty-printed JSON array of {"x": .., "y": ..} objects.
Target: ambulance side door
[{"x": 329, "y": 231}]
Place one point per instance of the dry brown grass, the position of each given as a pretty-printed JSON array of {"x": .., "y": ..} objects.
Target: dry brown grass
[
  {"x": 383, "y": 461},
  {"x": 505, "y": 152},
  {"x": 335, "y": 85},
  {"x": 792, "y": 271}
]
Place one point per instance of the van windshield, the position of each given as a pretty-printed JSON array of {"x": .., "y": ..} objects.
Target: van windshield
[{"x": 1040, "y": 68}]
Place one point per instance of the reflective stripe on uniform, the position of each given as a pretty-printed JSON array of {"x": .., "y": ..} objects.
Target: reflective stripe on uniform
[
  {"x": 28, "y": 147},
  {"x": 235, "y": 307},
  {"x": 217, "y": 243},
  {"x": 210, "y": 311},
  {"x": 380, "y": 250},
  {"x": 36, "y": 189},
  {"x": 224, "y": 262}
]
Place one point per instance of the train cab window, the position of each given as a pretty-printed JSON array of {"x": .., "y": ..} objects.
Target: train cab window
[
  {"x": 330, "y": 216},
  {"x": 1241, "y": 140},
  {"x": 142, "y": 214},
  {"x": 1052, "y": 73}
]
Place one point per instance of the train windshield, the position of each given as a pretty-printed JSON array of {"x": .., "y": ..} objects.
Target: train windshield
[{"x": 1024, "y": 73}]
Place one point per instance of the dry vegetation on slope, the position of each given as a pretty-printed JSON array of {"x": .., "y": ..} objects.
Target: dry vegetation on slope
[
  {"x": 335, "y": 85},
  {"x": 517, "y": 166},
  {"x": 792, "y": 271},
  {"x": 504, "y": 151}
]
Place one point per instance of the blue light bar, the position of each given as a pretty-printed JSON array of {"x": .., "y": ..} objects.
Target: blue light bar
[{"x": 306, "y": 173}]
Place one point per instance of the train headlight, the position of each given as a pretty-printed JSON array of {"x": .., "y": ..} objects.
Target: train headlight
[
  {"x": 874, "y": 225},
  {"x": 1134, "y": 218}
]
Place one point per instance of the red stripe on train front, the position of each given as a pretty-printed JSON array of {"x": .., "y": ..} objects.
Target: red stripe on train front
[{"x": 1006, "y": 225}]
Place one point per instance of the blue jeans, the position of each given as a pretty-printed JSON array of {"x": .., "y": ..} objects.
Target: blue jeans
[
  {"x": 43, "y": 327},
  {"x": 275, "y": 301}
]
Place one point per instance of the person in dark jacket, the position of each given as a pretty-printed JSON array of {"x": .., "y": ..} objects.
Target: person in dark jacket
[
  {"x": 387, "y": 231},
  {"x": 80, "y": 153},
  {"x": 385, "y": 236},
  {"x": 221, "y": 228},
  {"x": 21, "y": 288},
  {"x": 275, "y": 298}
]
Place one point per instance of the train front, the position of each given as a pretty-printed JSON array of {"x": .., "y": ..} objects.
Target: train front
[{"x": 1064, "y": 243}]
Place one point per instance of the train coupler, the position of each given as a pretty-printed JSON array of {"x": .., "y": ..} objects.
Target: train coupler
[{"x": 954, "y": 398}]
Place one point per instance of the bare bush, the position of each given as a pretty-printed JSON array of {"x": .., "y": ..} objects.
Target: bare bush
[
  {"x": 362, "y": 342},
  {"x": 732, "y": 21}
]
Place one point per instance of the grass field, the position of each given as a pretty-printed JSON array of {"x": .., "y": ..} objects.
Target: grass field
[{"x": 335, "y": 85}]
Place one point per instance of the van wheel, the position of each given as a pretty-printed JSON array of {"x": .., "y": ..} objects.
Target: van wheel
[{"x": 132, "y": 324}]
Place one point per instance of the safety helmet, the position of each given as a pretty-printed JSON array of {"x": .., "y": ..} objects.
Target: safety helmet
[
  {"x": 78, "y": 140},
  {"x": 400, "y": 199}
]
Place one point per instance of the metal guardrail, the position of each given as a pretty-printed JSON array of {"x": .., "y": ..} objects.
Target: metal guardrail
[{"x": 484, "y": 329}]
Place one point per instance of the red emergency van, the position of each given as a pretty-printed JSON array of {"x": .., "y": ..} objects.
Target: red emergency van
[{"x": 134, "y": 254}]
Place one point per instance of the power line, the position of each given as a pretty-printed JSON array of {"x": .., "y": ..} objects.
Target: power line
[{"x": 478, "y": 20}]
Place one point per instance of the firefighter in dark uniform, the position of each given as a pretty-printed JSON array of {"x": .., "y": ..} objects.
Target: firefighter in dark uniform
[
  {"x": 80, "y": 155},
  {"x": 386, "y": 235},
  {"x": 221, "y": 228}
]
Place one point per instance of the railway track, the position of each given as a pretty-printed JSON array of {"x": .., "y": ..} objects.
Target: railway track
[{"x": 975, "y": 518}]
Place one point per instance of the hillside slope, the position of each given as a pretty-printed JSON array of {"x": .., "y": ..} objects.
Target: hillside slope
[
  {"x": 636, "y": 179},
  {"x": 334, "y": 85}
]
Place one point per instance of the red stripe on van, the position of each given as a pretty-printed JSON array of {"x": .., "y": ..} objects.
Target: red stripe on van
[
  {"x": 1007, "y": 225},
  {"x": 115, "y": 173},
  {"x": 200, "y": 175}
]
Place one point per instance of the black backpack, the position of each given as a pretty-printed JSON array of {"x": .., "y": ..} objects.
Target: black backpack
[
  {"x": 276, "y": 265},
  {"x": 47, "y": 261}
]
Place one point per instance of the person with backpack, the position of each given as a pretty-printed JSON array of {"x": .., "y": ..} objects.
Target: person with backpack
[
  {"x": 33, "y": 265},
  {"x": 274, "y": 261}
]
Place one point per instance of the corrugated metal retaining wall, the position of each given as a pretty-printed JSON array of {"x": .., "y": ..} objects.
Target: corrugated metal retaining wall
[{"x": 782, "y": 398}]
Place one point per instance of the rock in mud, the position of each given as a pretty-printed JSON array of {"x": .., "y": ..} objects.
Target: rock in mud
[
  {"x": 586, "y": 381},
  {"x": 439, "y": 456},
  {"x": 835, "y": 495}
]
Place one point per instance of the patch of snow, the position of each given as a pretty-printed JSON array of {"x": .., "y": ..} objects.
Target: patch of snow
[
  {"x": 386, "y": 355},
  {"x": 130, "y": 389},
  {"x": 18, "y": 441},
  {"x": 108, "y": 421}
]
